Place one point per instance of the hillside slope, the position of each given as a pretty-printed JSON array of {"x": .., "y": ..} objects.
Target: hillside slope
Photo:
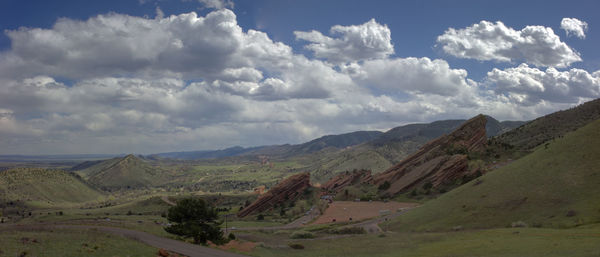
[
  {"x": 555, "y": 186},
  {"x": 47, "y": 186},
  {"x": 551, "y": 126},
  {"x": 126, "y": 172}
]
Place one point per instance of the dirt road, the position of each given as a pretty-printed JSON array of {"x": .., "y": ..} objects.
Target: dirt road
[
  {"x": 171, "y": 245},
  {"x": 166, "y": 200}
]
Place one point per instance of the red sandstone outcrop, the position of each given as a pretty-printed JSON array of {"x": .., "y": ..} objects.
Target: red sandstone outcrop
[
  {"x": 288, "y": 189},
  {"x": 344, "y": 179},
  {"x": 440, "y": 161}
]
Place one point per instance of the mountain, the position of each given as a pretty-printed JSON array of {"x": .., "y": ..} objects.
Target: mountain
[
  {"x": 281, "y": 151},
  {"x": 209, "y": 154},
  {"x": 555, "y": 186},
  {"x": 392, "y": 147},
  {"x": 551, "y": 126},
  {"x": 45, "y": 186},
  {"x": 126, "y": 172}
]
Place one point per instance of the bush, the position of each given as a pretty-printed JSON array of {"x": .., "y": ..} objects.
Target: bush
[
  {"x": 260, "y": 217},
  {"x": 385, "y": 186},
  {"x": 296, "y": 246},
  {"x": 348, "y": 230},
  {"x": 231, "y": 236},
  {"x": 518, "y": 224},
  {"x": 302, "y": 235}
]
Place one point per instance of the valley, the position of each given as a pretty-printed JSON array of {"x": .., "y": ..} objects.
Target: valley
[{"x": 475, "y": 187}]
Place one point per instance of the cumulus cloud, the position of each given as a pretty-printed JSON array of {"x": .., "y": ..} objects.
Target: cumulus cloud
[
  {"x": 217, "y": 4},
  {"x": 527, "y": 85},
  {"x": 486, "y": 41},
  {"x": 574, "y": 26},
  {"x": 116, "y": 83},
  {"x": 413, "y": 75},
  {"x": 357, "y": 42}
]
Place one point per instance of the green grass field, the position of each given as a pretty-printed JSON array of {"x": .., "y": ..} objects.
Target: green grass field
[
  {"x": 50, "y": 243},
  {"x": 495, "y": 242}
]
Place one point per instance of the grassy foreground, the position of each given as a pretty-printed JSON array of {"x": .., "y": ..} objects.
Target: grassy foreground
[
  {"x": 69, "y": 243},
  {"x": 494, "y": 242}
]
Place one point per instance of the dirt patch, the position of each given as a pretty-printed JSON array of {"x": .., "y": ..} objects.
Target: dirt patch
[
  {"x": 236, "y": 245},
  {"x": 342, "y": 211}
]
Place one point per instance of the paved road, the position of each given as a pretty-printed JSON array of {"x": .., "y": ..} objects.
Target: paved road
[{"x": 171, "y": 245}]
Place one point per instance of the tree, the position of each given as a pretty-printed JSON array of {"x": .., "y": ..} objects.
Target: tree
[{"x": 195, "y": 219}]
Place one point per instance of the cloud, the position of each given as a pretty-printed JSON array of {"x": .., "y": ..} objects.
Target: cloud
[
  {"x": 117, "y": 83},
  {"x": 526, "y": 85},
  {"x": 122, "y": 45},
  {"x": 410, "y": 75},
  {"x": 217, "y": 4},
  {"x": 357, "y": 42},
  {"x": 487, "y": 41},
  {"x": 574, "y": 26}
]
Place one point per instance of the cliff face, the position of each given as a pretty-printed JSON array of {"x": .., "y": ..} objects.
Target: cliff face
[
  {"x": 344, "y": 179},
  {"x": 440, "y": 161},
  {"x": 288, "y": 189}
]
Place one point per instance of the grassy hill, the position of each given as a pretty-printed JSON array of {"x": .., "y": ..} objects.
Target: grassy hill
[
  {"x": 555, "y": 186},
  {"x": 44, "y": 186},
  {"x": 126, "y": 172},
  {"x": 551, "y": 126}
]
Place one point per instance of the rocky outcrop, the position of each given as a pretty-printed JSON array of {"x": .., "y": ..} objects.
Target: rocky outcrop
[
  {"x": 344, "y": 179},
  {"x": 440, "y": 161},
  {"x": 289, "y": 189}
]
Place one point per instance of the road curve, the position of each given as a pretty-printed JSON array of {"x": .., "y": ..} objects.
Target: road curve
[{"x": 171, "y": 245}]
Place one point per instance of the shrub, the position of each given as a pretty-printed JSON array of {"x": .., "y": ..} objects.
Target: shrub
[
  {"x": 129, "y": 213},
  {"x": 385, "y": 186},
  {"x": 518, "y": 224},
  {"x": 231, "y": 236},
  {"x": 301, "y": 234},
  {"x": 348, "y": 230},
  {"x": 260, "y": 217},
  {"x": 296, "y": 246},
  {"x": 571, "y": 213}
]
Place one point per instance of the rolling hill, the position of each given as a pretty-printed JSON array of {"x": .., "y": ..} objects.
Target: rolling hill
[
  {"x": 555, "y": 186},
  {"x": 551, "y": 126},
  {"x": 45, "y": 186},
  {"x": 126, "y": 172}
]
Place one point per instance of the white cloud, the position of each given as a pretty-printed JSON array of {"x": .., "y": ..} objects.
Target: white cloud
[
  {"x": 574, "y": 26},
  {"x": 357, "y": 42},
  {"x": 526, "y": 85},
  {"x": 217, "y": 4},
  {"x": 486, "y": 41},
  {"x": 412, "y": 75},
  {"x": 186, "y": 82}
]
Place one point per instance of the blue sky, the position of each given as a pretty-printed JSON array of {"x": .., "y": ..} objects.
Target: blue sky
[{"x": 113, "y": 75}]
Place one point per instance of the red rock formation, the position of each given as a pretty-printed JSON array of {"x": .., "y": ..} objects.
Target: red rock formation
[
  {"x": 440, "y": 161},
  {"x": 288, "y": 189},
  {"x": 344, "y": 179}
]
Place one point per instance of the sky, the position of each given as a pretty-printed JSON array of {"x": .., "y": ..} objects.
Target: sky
[{"x": 149, "y": 76}]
